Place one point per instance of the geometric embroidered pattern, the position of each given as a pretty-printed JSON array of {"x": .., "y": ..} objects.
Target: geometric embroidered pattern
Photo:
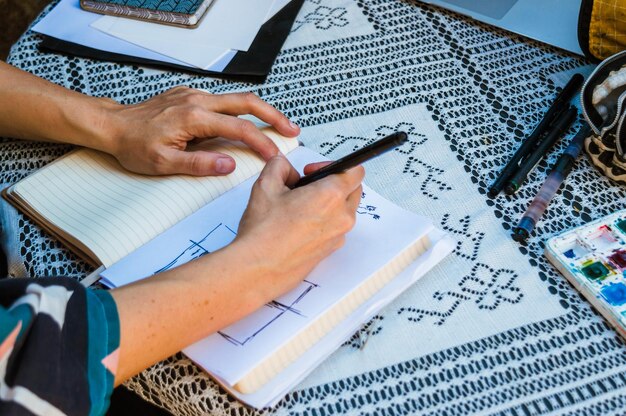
[
  {"x": 175, "y": 6},
  {"x": 468, "y": 242},
  {"x": 486, "y": 287},
  {"x": 486, "y": 90},
  {"x": 323, "y": 17}
]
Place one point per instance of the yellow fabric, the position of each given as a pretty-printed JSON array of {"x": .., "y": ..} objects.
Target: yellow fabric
[{"x": 607, "y": 28}]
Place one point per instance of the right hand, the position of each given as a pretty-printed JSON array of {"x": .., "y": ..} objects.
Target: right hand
[
  {"x": 283, "y": 234},
  {"x": 286, "y": 232}
]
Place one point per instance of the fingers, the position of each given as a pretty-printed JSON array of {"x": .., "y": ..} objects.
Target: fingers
[
  {"x": 277, "y": 175},
  {"x": 206, "y": 115},
  {"x": 152, "y": 133},
  {"x": 347, "y": 182},
  {"x": 248, "y": 103},
  {"x": 239, "y": 130},
  {"x": 350, "y": 178},
  {"x": 312, "y": 167},
  {"x": 235, "y": 105},
  {"x": 198, "y": 163}
]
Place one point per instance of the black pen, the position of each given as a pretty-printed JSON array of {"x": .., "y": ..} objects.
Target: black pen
[
  {"x": 356, "y": 158},
  {"x": 557, "y": 129},
  {"x": 560, "y": 104}
]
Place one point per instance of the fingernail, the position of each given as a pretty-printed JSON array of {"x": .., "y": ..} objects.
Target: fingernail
[
  {"x": 224, "y": 165},
  {"x": 293, "y": 125}
]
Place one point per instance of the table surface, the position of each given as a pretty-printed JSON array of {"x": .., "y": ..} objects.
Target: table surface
[{"x": 494, "y": 329}]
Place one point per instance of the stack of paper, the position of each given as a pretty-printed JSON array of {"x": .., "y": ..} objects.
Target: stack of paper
[
  {"x": 228, "y": 28},
  {"x": 264, "y": 355}
]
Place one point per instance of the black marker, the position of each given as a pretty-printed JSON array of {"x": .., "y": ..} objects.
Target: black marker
[
  {"x": 557, "y": 129},
  {"x": 354, "y": 159},
  {"x": 558, "y": 106}
]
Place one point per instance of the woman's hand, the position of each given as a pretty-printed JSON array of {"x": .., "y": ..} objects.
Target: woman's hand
[
  {"x": 282, "y": 236},
  {"x": 286, "y": 232},
  {"x": 151, "y": 137}
]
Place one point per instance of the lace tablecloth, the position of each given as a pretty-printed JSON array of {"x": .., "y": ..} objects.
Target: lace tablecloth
[{"x": 494, "y": 329}]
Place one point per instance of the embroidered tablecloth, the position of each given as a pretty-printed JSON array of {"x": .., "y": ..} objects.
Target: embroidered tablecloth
[{"x": 494, "y": 329}]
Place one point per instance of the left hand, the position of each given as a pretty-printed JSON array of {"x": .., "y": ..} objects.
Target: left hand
[{"x": 151, "y": 137}]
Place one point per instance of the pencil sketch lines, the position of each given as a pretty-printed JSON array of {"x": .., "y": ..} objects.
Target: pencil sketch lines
[
  {"x": 246, "y": 329},
  {"x": 240, "y": 334},
  {"x": 366, "y": 209},
  {"x": 290, "y": 308},
  {"x": 199, "y": 248}
]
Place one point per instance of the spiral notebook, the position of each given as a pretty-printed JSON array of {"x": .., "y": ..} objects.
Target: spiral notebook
[{"x": 66, "y": 30}]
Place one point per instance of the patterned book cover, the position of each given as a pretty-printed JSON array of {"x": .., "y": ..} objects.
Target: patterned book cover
[{"x": 175, "y": 12}]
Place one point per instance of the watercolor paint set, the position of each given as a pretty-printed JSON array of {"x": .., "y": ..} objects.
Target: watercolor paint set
[{"x": 593, "y": 258}]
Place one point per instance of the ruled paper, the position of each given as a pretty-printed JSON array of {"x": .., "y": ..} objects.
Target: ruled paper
[{"x": 90, "y": 196}]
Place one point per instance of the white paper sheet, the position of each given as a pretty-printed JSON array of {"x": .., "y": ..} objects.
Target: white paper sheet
[
  {"x": 286, "y": 381},
  {"x": 228, "y": 25},
  {"x": 67, "y": 21},
  {"x": 381, "y": 232},
  {"x": 277, "y": 6}
]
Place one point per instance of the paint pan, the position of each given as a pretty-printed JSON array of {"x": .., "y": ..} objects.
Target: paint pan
[
  {"x": 620, "y": 224},
  {"x": 572, "y": 248},
  {"x": 595, "y": 270},
  {"x": 614, "y": 294},
  {"x": 601, "y": 238},
  {"x": 618, "y": 259}
]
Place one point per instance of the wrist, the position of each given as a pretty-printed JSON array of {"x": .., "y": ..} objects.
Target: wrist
[
  {"x": 253, "y": 273},
  {"x": 98, "y": 129},
  {"x": 83, "y": 121}
]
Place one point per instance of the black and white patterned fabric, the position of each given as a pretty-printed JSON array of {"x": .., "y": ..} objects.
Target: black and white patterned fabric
[{"x": 494, "y": 329}]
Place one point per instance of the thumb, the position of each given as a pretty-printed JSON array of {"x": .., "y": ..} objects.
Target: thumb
[
  {"x": 200, "y": 163},
  {"x": 278, "y": 174}
]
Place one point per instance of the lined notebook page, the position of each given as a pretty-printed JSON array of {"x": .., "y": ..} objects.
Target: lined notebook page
[{"x": 90, "y": 196}]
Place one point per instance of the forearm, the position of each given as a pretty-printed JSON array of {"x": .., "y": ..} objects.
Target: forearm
[
  {"x": 150, "y": 137},
  {"x": 36, "y": 109},
  {"x": 162, "y": 315}
]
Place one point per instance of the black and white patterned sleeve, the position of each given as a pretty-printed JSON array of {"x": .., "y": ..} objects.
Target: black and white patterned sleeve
[{"x": 59, "y": 345}]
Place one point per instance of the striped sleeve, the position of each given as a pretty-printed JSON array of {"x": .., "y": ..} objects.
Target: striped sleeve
[{"x": 58, "y": 348}]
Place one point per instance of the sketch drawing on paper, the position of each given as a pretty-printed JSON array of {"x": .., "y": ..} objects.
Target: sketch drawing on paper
[
  {"x": 366, "y": 209},
  {"x": 212, "y": 241},
  {"x": 240, "y": 333},
  {"x": 243, "y": 331}
]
